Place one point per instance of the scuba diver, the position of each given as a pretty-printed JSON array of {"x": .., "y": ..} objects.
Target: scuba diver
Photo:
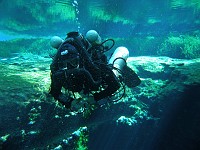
[
  {"x": 97, "y": 52},
  {"x": 81, "y": 65},
  {"x": 113, "y": 71},
  {"x": 66, "y": 70}
]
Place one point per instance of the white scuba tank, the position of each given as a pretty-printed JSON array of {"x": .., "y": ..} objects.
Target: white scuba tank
[
  {"x": 56, "y": 41},
  {"x": 119, "y": 57}
]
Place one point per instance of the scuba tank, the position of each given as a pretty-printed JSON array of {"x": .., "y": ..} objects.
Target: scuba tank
[{"x": 118, "y": 59}]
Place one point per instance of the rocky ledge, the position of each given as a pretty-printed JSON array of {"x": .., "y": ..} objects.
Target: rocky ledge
[{"x": 167, "y": 97}]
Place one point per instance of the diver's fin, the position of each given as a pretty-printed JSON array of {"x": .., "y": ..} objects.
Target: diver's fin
[{"x": 131, "y": 79}]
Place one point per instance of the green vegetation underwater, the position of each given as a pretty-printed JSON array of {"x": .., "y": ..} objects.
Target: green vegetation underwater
[{"x": 162, "y": 113}]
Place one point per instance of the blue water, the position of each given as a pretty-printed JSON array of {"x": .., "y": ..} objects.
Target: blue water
[{"x": 130, "y": 23}]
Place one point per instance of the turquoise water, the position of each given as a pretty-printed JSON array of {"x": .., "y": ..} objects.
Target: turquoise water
[
  {"x": 142, "y": 26},
  {"x": 163, "y": 40}
]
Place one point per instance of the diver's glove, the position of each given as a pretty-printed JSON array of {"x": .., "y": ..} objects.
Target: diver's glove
[{"x": 64, "y": 100}]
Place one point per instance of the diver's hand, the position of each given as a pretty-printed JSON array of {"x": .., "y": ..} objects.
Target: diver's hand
[{"x": 64, "y": 100}]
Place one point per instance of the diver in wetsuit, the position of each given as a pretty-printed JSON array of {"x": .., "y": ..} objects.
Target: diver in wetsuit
[
  {"x": 67, "y": 70},
  {"x": 99, "y": 58},
  {"x": 113, "y": 70}
]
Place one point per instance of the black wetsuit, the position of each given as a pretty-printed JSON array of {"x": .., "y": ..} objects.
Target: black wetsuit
[
  {"x": 66, "y": 74},
  {"x": 106, "y": 74}
]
